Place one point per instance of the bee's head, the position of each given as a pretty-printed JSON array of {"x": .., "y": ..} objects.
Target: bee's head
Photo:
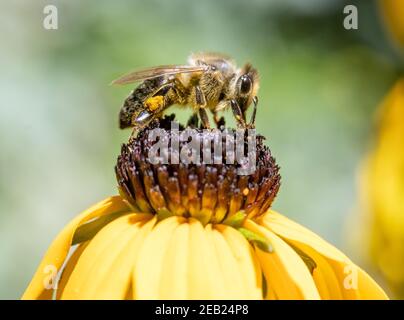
[{"x": 247, "y": 86}]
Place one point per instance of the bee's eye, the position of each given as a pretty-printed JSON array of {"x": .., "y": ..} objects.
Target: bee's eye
[{"x": 245, "y": 84}]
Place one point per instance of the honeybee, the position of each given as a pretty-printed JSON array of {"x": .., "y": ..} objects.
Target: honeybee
[{"x": 209, "y": 81}]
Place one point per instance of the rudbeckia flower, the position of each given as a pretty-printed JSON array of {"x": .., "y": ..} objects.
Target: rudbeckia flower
[
  {"x": 194, "y": 231},
  {"x": 382, "y": 191}
]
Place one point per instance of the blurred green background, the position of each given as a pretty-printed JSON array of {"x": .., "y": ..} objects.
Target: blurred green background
[{"x": 320, "y": 86}]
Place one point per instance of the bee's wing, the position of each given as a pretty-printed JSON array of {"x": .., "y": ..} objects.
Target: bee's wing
[
  {"x": 219, "y": 60},
  {"x": 154, "y": 72},
  {"x": 209, "y": 57}
]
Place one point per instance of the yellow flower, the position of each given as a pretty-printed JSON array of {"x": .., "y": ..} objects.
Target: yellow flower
[
  {"x": 382, "y": 191},
  {"x": 136, "y": 257},
  {"x": 392, "y": 13},
  {"x": 194, "y": 232}
]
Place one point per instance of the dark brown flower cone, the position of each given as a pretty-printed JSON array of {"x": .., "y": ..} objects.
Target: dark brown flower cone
[{"x": 209, "y": 192}]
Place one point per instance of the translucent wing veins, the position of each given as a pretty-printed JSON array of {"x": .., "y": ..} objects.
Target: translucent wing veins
[{"x": 158, "y": 71}]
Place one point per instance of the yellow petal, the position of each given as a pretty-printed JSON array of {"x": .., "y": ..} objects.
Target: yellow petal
[
  {"x": 116, "y": 280},
  {"x": 59, "y": 248},
  {"x": 368, "y": 288},
  {"x": 248, "y": 267},
  {"x": 150, "y": 266},
  {"x": 204, "y": 277},
  {"x": 271, "y": 295},
  {"x": 197, "y": 263},
  {"x": 229, "y": 268},
  {"x": 119, "y": 285},
  {"x": 99, "y": 273},
  {"x": 77, "y": 285},
  {"x": 327, "y": 283},
  {"x": 284, "y": 270},
  {"x": 174, "y": 280},
  {"x": 70, "y": 266},
  {"x": 289, "y": 229},
  {"x": 353, "y": 282}
]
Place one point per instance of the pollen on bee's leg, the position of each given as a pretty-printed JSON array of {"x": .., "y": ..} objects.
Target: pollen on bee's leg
[{"x": 154, "y": 103}]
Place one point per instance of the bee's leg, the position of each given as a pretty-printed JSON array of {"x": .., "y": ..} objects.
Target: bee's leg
[
  {"x": 204, "y": 118},
  {"x": 133, "y": 134},
  {"x": 252, "y": 120},
  {"x": 163, "y": 89},
  {"x": 218, "y": 121},
  {"x": 154, "y": 104},
  {"x": 193, "y": 121},
  {"x": 238, "y": 114},
  {"x": 201, "y": 103},
  {"x": 199, "y": 97}
]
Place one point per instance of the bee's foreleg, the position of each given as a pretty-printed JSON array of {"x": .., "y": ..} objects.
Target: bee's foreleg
[
  {"x": 238, "y": 114},
  {"x": 252, "y": 120}
]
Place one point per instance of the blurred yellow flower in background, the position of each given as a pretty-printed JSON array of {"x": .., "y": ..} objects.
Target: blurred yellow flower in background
[
  {"x": 382, "y": 191},
  {"x": 381, "y": 176},
  {"x": 392, "y": 13},
  {"x": 194, "y": 232}
]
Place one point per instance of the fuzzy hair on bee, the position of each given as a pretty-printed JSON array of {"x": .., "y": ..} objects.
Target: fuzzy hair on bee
[{"x": 210, "y": 81}]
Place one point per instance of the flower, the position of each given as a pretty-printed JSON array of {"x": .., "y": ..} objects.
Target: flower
[
  {"x": 382, "y": 191},
  {"x": 194, "y": 231},
  {"x": 392, "y": 12}
]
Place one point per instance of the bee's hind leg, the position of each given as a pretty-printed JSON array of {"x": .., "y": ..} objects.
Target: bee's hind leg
[{"x": 133, "y": 134}]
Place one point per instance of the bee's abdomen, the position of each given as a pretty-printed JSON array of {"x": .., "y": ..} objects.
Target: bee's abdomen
[
  {"x": 134, "y": 103},
  {"x": 128, "y": 109}
]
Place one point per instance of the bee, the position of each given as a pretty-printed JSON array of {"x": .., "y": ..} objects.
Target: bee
[{"x": 209, "y": 81}]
